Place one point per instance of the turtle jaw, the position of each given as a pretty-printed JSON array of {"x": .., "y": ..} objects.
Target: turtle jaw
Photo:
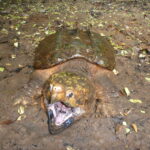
[{"x": 61, "y": 116}]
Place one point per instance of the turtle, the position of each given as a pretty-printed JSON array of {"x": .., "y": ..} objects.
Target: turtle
[{"x": 70, "y": 62}]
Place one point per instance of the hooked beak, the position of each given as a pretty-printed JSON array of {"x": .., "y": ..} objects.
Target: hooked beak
[
  {"x": 61, "y": 117},
  {"x": 53, "y": 129}
]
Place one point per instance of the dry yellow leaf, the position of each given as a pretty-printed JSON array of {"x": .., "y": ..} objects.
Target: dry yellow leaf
[
  {"x": 127, "y": 130},
  {"x": 19, "y": 118},
  {"x": 20, "y": 65},
  {"x": 127, "y": 91},
  {"x": 100, "y": 25},
  {"x": 124, "y": 123},
  {"x": 69, "y": 148},
  {"x": 147, "y": 79},
  {"x": 102, "y": 34},
  {"x": 2, "y": 69},
  {"x": 122, "y": 44},
  {"x": 134, "y": 126},
  {"x": 115, "y": 72},
  {"x": 21, "y": 110},
  {"x": 13, "y": 56},
  {"x": 142, "y": 111},
  {"x": 18, "y": 32},
  {"x": 17, "y": 101},
  {"x": 8, "y": 64},
  {"x": 135, "y": 101},
  {"x": 16, "y": 44}
]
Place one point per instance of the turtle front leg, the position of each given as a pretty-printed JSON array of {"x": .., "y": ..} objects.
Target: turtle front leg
[{"x": 105, "y": 91}]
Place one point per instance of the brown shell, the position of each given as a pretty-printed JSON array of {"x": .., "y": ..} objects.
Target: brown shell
[{"x": 69, "y": 44}]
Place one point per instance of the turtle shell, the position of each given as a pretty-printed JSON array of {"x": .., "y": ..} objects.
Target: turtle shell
[{"x": 70, "y": 44}]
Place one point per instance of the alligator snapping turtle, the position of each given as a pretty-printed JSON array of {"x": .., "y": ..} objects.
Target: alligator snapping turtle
[{"x": 71, "y": 62}]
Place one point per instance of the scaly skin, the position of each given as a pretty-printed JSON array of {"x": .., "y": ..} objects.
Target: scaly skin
[{"x": 71, "y": 89}]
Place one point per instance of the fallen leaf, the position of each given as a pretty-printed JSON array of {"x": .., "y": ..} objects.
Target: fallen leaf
[
  {"x": 12, "y": 27},
  {"x": 34, "y": 25},
  {"x": 142, "y": 111},
  {"x": 115, "y": 72},
  {"x": 17, "y": 101},
  {"x": 21, "y": 110},
  {"x": 25, "y": 102},
  {"x": 18, "y": 32},
  {"x": 8, "y": 64},
  {"x": 13, "y": 56},
  {"x": 20, "y": 101},
  {"x": 16, "y": 44},
  {"x": 23, "y": 22},
  {"x": 16, "y": 28},
  {"x": 127, "y": 27},
  {"x": 147, "y": 79},
  {"x": 2, "y": 69},
  {"x": 124, "y": 53},
  {"x": 140, "y": 33},
  {"x": 134, "y": 126},
  {"x": 69, "y": 148},
  {"x": 102, "y": 34},
  {"x": 36, "y": 33},
  {"x": 122, "y": 44},
  {"x": 127, "y": 130},
  {"x": 127, "y": 91},
  {"x": 135, "y": 101},
  {"x": 52, "y": 32},
  {"x": 47, "y": 32},
  {"x": 19, "y": 118},
  {"x": 5, "y": 31},
  {"x": 124, "y": 123},
  {"x": 20, "y": 65},
  {"x": 100, "y": 25}
]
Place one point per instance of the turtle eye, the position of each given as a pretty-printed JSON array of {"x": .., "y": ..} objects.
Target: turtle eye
[
  {"x": 69, "y": 94},
  {"x": 57, "y": 88}
]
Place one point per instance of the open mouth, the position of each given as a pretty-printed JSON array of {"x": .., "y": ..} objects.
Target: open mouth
[{"x": 61, "y": 116}]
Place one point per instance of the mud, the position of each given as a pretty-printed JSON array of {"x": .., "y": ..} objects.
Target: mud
[{"x": 127, "y": 26}]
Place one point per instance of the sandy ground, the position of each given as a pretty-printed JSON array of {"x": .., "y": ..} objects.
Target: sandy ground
[{"x": 127, "y": 25}]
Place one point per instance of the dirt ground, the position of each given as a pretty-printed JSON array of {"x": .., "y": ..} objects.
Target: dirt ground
[{"x": 126, "y": 24}]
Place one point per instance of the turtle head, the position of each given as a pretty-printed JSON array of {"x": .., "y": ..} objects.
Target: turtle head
[{"x": 66, "y": 96}]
